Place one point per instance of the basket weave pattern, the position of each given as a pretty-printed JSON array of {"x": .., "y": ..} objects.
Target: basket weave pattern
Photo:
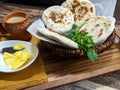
[{"x": 65, "y": 52}]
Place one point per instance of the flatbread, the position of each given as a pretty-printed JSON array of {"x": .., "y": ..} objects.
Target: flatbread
[
  {"x": 58, "y": 19},
  {"x": 99, "y": 27},
  {"x": 79, "y": 8},
  {"x": 64, "y": 41}
]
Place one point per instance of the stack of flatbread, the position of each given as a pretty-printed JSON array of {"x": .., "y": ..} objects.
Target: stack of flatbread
[{"x": 60, "y": 19}]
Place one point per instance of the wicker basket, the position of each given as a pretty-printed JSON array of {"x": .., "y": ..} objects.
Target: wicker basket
[{"x": 65, "y": 52}]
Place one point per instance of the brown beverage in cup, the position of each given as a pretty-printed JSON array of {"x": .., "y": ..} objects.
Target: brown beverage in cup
[{"x": 15, "y": 25}]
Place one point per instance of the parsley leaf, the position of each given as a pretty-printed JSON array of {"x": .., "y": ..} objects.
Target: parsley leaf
[
  {"x": 92, "y": 55},
  {"x": 83, "y": 40}
]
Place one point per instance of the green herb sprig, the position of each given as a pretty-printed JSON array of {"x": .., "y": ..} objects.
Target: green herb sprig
[{"x": 84, "y": 41}]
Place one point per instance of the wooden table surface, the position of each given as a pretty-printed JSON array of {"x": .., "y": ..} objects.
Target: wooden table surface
[{"x": 60, "y": 71}]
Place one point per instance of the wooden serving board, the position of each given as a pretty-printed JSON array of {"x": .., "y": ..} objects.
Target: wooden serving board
[{"x": 62, "y": 71}]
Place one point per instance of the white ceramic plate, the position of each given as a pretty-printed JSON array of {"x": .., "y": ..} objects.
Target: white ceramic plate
[{"x": 10, "y": 43}]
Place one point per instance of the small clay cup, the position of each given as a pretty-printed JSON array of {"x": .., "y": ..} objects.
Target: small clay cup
[{"x": 15, "y": 24}]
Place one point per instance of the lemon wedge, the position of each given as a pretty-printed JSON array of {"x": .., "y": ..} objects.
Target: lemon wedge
[
  {"x": 17, "y": 59},
  {"x": 19, "y": 46}
]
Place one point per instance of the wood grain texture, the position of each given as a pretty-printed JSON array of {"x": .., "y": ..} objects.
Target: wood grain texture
[
  {"x": 62, "y": 71},
  {"x": 84, "y": 85},
  {"x": 93, "y": 86}
]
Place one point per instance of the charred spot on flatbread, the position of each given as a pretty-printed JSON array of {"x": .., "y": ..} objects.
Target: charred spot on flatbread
[
  {"x": 97, "y": 25},
  {"x": 83, "y": 31},
  {"x": 100, "y": 33},
  {"x": 56, "y": 17}
]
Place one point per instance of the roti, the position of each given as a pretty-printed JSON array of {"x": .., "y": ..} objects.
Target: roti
[
  {"x": 99, "y": 27},
  {"x": 62, "y": 40},
  {"x": 58, "y": 19},
  {"x": 79, "y": 8}
]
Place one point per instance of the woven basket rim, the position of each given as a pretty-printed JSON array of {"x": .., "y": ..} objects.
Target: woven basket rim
[{"x": 62, "y": 51}]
